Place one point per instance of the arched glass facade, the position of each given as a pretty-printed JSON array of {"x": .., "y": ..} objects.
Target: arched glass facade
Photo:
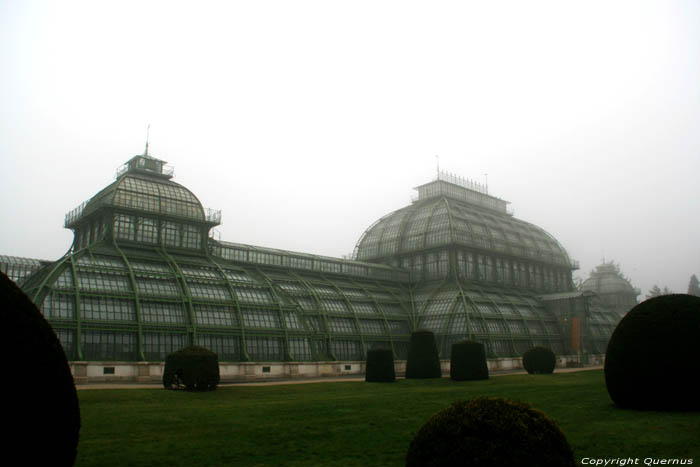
[
  {"x": 144, "y": 278},
  {"x": 108, "y": 303},
  {"x": 507, "y": 322}
]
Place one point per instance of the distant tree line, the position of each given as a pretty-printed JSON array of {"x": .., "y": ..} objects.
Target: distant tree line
[
  {"x": 656, "y": 291},
  {"x": 693, "y": 289}
]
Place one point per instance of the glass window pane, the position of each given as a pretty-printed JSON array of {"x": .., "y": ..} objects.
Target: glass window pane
[{"x": 163, "y": 313}]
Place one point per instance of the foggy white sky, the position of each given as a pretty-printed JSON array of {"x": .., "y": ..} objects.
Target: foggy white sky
[{"x": 304, "y": 122}]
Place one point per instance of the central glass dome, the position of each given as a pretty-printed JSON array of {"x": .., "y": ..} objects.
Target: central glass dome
[
  {"x": 454, "y": 228},
  {"x": 449, "y": 214}
]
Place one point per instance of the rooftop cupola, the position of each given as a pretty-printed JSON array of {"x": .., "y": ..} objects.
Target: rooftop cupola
[
  {"x": 461, "y": 189},
  {"x": 147, "y": 165},
  {"x": 143, "y": 206}
]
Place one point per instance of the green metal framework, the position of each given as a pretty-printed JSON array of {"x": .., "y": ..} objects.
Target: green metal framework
[
  {"x": 109, "y": 302},
  {"x": 508, "y": 321},
  {"x": 17, "y": 268},
  {"x": 143, "y": 279},
  {"x": 451, "y": 229}
]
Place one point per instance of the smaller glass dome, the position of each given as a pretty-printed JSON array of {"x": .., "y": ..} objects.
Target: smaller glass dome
[
  {"x": 143, "y": 184},
  {"x": 607, "y": 279}
]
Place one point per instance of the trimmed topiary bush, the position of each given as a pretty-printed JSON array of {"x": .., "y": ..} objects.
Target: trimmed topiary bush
[
  {"x": 423, "y": 360},
  {"x": 653, "y": 356},
  {"x": 380, "y": 366},
  {"x": 539, "y": 360},
  {"x": 41, "y": 412},
  {"x": 192, "y": 368},
  {"x": 488, "y": 432},
  {"x": 468, "y": 361}
]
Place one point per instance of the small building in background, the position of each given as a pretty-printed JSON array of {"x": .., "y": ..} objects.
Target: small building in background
[{"x": 614, "y": 290}]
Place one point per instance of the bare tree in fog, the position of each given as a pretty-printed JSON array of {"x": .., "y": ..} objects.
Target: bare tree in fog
[
  {"x": 656, "y": 291},
  {"x": 694, "y": 286}
]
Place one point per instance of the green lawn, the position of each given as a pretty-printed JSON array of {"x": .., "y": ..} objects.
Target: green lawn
[{"x": 354, "y": 423}]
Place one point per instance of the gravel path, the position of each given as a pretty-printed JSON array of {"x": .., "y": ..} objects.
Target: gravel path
[{"x": 133, "y": 385}]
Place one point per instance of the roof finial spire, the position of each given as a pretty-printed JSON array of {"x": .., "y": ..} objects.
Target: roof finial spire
[
  {"x": 437, "y": 161},
  {"x": 148, "y": 131}
]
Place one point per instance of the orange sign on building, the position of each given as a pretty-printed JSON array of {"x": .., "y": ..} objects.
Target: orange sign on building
[{"x": 576, "y": 334}]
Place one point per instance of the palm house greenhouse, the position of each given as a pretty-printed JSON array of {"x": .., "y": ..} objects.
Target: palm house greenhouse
[{"x": 144, "y": 278}]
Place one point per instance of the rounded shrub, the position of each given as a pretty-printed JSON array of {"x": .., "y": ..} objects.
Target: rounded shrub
[
  {"x": 653, "y": 355},
  {"x": 192, "y": 368},
  {"x": 423, "y": 360},
  {"x": 380, "y": 366},
  {"x": 490, "y": 432},
  {"x": 41, "y": 413},
  {"x": 468, "y": 361},
  {"x": 539, "y": 360}
]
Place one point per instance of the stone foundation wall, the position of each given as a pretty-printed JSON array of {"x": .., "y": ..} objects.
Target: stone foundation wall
[{"x": 152, "y": 372}]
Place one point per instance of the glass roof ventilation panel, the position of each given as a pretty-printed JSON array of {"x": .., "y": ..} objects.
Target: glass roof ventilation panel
[{"x": 461, "y": 189}]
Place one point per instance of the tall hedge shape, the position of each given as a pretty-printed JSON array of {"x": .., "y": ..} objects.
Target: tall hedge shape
[
  {"x": 41, "y": 414},
  {"x": 423, "y": 360},
  {"x": 653, "y": 356},
  {"x": 490, "y": 432},
  {"x": 192, "y": 368},
  {"x": 468, "y": 361},
  {"x": 380, "y": 366},
  {"x": 539, "y": 360}
]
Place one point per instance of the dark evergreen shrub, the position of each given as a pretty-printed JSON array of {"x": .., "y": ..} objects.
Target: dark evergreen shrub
[
  {"x": 41, "y": 413},
  {"x": 192, "y": 368},
  {"x": 423, "y": 360},
  {"x": 539, "y": 360},
  {"x": 653, "y": 356},
  {"x": 490, "y": 432},
  {"x": 468, "y": 361},
  {"x": 380, "y": 366}
]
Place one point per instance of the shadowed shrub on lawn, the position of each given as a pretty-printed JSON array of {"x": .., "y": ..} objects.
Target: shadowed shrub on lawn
[
  {"x": 468, "y": 361},
  {"x": 539, "y": 360},
  {"x": 490, "y": 432},
  {"x": 380, "y": 366},
  {"x": 41, "y": 415},
  {"x": 192, "y": 368},
  {"x": 653, "y": 356}
]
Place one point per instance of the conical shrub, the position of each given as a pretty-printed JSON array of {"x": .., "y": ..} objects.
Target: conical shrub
[
  {"x": 380, "y": 366},
  {"x": 423, "y": 359},
  {"x": 468, "y": 361}
]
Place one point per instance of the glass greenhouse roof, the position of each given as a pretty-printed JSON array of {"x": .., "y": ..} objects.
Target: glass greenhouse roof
[
  {"x": 17, "y": 268},
  {"x": 274, "y": 257},
  {"x": 506, "y": 321},
  {"x": 442, "y": 221},
  {"x": 144, "y": 278},
  {"x": 244, "y": 312},
  {"x": 148, "y": 190}
]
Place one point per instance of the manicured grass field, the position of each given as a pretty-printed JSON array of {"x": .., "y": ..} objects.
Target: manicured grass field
[{"x": 354, "y": 423}]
